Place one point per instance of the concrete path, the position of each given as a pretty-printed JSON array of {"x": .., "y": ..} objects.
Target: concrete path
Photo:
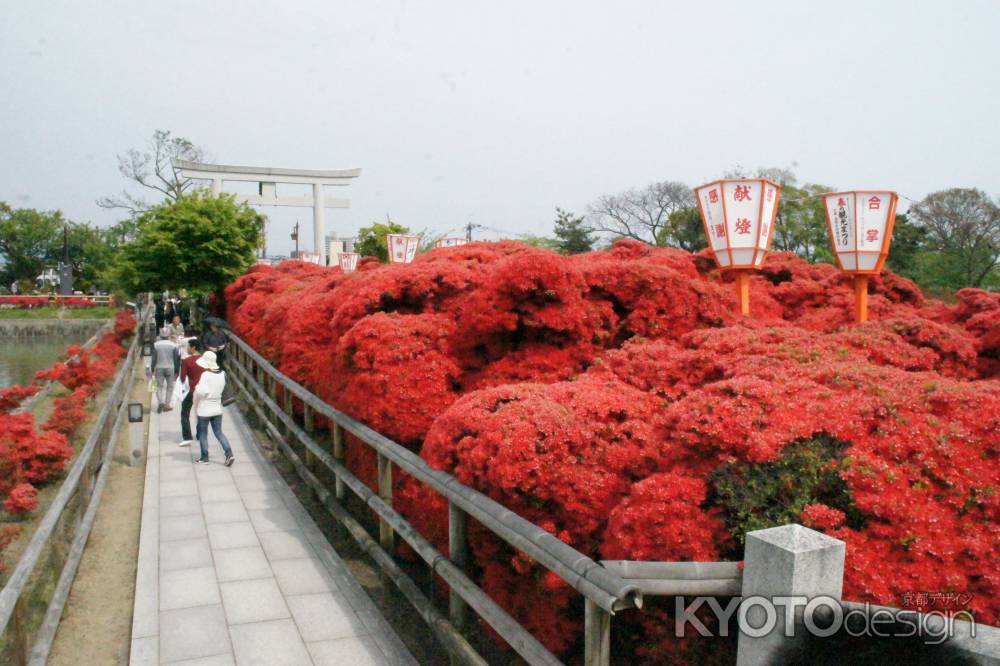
[{"x": 232, "y": 570}]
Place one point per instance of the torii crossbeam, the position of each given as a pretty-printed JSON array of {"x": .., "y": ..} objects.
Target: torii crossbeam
[{"x": 267, "y": 179}]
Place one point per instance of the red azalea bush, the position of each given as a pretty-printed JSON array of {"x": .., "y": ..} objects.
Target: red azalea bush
[
  {"x": 616, "y": 399},
  {"x": 29, "y": 302},
  {"x": 23, "y": 498},
  {"x": 31, "y": 456}
]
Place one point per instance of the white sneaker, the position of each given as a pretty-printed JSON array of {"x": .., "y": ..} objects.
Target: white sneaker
[{"x": 186, "y": 442}]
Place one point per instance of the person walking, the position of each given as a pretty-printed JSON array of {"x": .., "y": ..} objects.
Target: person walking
[
  {"x": 158, "y": 312},
  {"x": 166, "y": 359},
  {"x": 176, "y": 329},
  {"x": 191, "y": 372},
  {"x": 215, "y": 341},
  {"x": 208, "y": 406}
]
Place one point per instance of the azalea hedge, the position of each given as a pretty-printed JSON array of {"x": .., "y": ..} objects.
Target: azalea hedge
[
  {"x": 32, "y": 302},
  {"x": 32, "y": 454},
  {"x": 617, "y": 399}
]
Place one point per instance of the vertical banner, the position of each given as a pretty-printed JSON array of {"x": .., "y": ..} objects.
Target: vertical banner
[
  {"x": 348, "y": 261},
  {"x": 402, "y": 248}
]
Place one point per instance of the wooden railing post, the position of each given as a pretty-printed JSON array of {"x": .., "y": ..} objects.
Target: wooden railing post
[
  {"x": 385, "y": 535},
  {"x": 596, "y": 636},
  {"x": 18, "y": 646},
  {"x": 340, "y": 455},
  {"x": 458, "y": 553},
  {"x": 309, "y": 425}
]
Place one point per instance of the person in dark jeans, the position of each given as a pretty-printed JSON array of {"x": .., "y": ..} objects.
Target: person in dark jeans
[
  {"x": 208, "y": 407},
  {"x": 191, "y": 371}
]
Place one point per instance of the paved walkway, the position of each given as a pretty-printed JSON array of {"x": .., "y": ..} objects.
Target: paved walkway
[{"x": 233, "y": 570}]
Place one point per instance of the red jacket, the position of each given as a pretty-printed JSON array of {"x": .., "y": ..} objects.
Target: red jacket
[{"x": 191, "y": 371}]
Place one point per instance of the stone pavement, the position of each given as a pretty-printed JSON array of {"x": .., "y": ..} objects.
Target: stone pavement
[{"x": 232, "y": 570}]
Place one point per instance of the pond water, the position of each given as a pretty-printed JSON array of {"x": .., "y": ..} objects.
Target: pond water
[{"x": 21, "y": 358}]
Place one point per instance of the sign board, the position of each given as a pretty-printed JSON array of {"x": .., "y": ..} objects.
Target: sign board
[
  {"x": 453, "y": 241},
  {"x": 738, "y": 215},
  {"x": 860, "y": 224},
  {"x": 348, "y": 261},
  {"x": 402, "y": 248}
]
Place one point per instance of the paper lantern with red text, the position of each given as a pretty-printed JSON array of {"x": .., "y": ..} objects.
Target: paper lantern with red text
[
  {"x": 402, "y": 247},
  {"x": 860, "y": 224},
  {"x": 348, "y": 261},
  {"x": 738, "y": 215}
]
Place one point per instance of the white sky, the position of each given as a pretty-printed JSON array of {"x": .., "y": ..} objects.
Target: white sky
[{"x": 498, "y": 112}]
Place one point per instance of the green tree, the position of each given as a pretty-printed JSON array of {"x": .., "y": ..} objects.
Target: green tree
[
  {"x": 907, "y": 245},
  {"x": 543, "y": 242},
  {"x": 199, "y": 243},
  {"x": 27, "y": 241},
  {"x": 684, "y": 229},
  {"x": 372, "y": 242},
  {"x": 572, "y": 234},
  {"x": 962, "y": 242}
]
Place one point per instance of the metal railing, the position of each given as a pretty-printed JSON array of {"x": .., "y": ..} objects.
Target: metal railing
[
  {"x": 604, "y": 590},
  {"x": 61, "y": 536}
]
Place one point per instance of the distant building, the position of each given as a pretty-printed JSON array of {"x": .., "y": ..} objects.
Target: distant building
[{"x": 335, "y": 245}]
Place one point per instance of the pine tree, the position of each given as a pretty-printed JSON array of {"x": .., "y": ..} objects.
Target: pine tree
[{"x": 572, "y": 233}]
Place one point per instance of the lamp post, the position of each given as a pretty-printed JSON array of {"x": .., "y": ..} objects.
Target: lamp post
[
  {"x": 860, "y": 224},
  {"x": 738, "y": 215},
  {"x": 402, "y": 247}
]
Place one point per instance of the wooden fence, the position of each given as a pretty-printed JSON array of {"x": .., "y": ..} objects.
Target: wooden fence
[
  {"x": 604, "y": 591},
  {"x": 60, "y": 537}
]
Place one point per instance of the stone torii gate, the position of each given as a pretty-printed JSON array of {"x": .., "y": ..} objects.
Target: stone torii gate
[{"x": 267, "y": 180}]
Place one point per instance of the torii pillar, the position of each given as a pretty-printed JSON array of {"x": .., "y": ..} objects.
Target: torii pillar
[{"x": 267, "y": 180}]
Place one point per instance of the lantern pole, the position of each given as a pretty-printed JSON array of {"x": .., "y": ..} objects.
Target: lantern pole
[
  {"x": 860, "y": 298},
  {"x": 743, "y": 290}
]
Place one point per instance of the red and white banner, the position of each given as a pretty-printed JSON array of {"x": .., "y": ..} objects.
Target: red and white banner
[
  {"x": 348, "y": 261},
  {"x": 738, "y": 215},
  {"x": 860, "y": 224},
  {"x": 453, "y": 241},
  {"x": 402, "y": 248}
]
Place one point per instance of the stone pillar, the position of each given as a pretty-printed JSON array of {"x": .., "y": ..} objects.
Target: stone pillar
[
  {"x": 319, "y": 231},
  {"x": 216, "y": 187},
  {"x": 785, "y": 561}
]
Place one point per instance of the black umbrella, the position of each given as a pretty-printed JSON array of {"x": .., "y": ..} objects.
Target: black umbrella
[{"x": 216, "y": 321}]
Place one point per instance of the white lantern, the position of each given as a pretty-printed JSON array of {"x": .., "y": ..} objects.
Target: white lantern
[
  {"x": 310, "y": 257},
  {"x": 453, "y": 241},
  {"x": 348, "y": 261},
  {"x": 738, "y": 215},
  {"x": 402, "y": 248},
  {"x": 860, "y": 224}
]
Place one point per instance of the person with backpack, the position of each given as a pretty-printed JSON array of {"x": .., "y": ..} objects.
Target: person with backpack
[{"x": 208, "y": 406}]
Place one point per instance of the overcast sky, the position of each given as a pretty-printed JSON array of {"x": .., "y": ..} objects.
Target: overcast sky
[{"x": 497, "y": 112}]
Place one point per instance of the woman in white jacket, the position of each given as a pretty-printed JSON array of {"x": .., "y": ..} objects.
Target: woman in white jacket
[{"x": 208, "y": 406}]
